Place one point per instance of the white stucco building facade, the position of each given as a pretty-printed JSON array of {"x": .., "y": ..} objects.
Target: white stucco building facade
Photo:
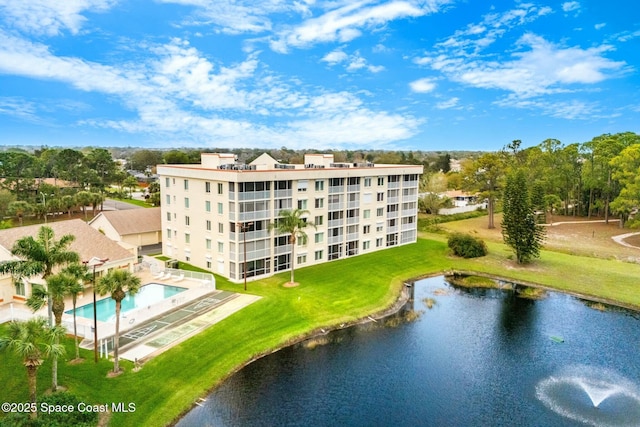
[{"x": 210, "y": 209}]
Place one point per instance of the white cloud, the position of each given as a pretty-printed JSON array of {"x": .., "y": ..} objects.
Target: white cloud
[
  {"x": 450, "y": 103},
  {"x": 50, "y": 17},
  {"x": 335, "y": 57},
  {"x": 181, "y": 94},
  {"x": 238, "y": 16},
  {"x": 352, "y": 62},
  {"x": 600, "y": 26},
  {"x": 347, "y": 21},
  {"x": 570, "y": 6},
  {"x": 424, "y": 85}
]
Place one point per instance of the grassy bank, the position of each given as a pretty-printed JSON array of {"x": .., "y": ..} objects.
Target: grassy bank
[{"x": 329, "y": 294}]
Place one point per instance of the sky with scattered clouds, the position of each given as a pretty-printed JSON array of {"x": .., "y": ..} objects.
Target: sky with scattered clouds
[{"x": 335, "y": 74}]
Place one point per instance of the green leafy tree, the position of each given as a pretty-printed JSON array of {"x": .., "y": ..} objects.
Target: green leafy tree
[
  {"x": 19, "y": 209},
  {"x": 292, "y": 223},
  {"x": 484, "y": 176},
  {"x": 625, "y": 169},
  {"x": 519, "y": 228},
  {"x": 84, "y": 199},
  {"x": 117, "y": 283},
  {"x": 33, "y": 341},
  {"x": 68, "y": 202},
  {"x": 130, "y": 182},
  {"x": 6, "y": 198}
]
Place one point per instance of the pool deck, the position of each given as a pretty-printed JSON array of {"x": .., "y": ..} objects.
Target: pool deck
[{"x": 148, "y": 331}]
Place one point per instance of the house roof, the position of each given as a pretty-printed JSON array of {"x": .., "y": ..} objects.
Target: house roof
[
  {"x": 89, "y": 242},
  {"x": 133, "y": 221}
]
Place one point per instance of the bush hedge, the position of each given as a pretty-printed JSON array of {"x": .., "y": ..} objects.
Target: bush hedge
[{"x": 467, "y": 246}]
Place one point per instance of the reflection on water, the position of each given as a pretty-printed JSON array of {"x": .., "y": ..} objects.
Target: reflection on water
[{"x": 476, "y": 358}]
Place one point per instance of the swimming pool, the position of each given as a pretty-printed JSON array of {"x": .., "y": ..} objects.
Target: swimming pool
[{"x": 148, "y": 294}]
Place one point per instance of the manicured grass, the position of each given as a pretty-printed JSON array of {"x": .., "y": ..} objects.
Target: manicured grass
[
  {"x": 136, "y": 202},
  {"x": 328, "y": 294}
]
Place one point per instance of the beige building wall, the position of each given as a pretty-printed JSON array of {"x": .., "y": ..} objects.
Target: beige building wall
[{"x": 203, "y": 207}]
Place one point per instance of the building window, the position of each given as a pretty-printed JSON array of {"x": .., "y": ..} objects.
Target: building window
[
  {"x": 318, "y": 220},
  {"x": 166, "y": 182},
  {"x": 186, "y": 184},
  {"x": 220, "y": 189},
  {"x": 302, "y": 259},
  {"x": 318, "y": 255},
  {"x": 187, "y": 238},
  {"x": 186, "y": 202},
  {"x": 220, "y": 208},
  {"x": 220, "y": 228},
  {"x": 366, "y": 245},
  {"x": 367, "y": 182},
  {"x": 209, "y": 264},
  {"x": 366, "y": 229},
  {"x": 319, "y": 237},
  {"x": 366, "y": 214},
  {"x": 380, "y": 197},
  {"x": 168, "y": 197},
  {"x": 319, "y": 203},
  {"x": 380, "y": 180},
  {"x": 379, "y": 242},
  {"x": 187, "y": 220},
  {"x": 208, "y": 225},
  {"x": 379, "y": 227},
  {"x": 207, "y": 243},
  {"x": 169, "y": 233},
  {"x": 220, "y": 247},
  {"x": 367, "y": 197},
  {"x": 319, "y": 185},
  {"x": 380, "y": 212},
  {"x": 207, "y": 187},
  {"x": 302, "y": 185},
  {"x": 302, "y": 204},
  {"x": 169, "y": 216},
  {"x": 207, "y": 206}
]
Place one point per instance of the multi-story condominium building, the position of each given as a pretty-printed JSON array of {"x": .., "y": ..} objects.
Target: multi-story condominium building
[{"x": 212, "y": 210}]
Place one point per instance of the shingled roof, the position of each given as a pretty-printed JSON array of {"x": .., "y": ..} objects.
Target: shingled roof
[
  {"x": 88, "y": 243},
  {"x": 133, "y": 221}
]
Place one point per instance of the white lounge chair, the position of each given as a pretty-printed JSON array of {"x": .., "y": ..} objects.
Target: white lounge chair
[
  {"x": 177, "y": 278},
  {"x": 158, "y": 275}
]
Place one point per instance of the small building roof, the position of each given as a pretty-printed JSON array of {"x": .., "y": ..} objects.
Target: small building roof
[
  {"x": 133, "y": 221},
  {"x": 89, "y": 242}
]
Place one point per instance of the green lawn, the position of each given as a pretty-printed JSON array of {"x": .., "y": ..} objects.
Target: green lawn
[{"x": 328, "y": 294}]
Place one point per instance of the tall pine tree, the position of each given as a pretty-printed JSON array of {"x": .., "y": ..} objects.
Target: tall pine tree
[{"x": 519, "y": 228}]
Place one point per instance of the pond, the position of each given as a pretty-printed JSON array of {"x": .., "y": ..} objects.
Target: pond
[{"x": 478, "y": 357}]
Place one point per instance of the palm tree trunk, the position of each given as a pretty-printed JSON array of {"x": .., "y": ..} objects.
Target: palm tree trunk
[
  {"x": 490, "y": 212},
  {"x": 116, "y": 339},
  {"x": 75, "y": 328},
  {"x": 292, "y": 260},
  {"x": 31, "y": 379},
  {"x": 54, "y": 370}
]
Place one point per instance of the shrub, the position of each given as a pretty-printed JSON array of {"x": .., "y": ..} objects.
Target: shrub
[{"x": 467, "y": 246}]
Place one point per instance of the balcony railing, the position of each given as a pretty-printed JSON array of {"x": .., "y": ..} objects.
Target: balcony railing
[
  {"x": 254, "y": 195},
  {"x": 255, "y": 215},
  {"x": 392, "y": 214},
  {"x": 281, "y": 194},
  {"x": 336, "y": 189},
  {"x": 335, "y": 223},
  {"x": 353, "y": 188},
  {"x": 335, "y": 239},
  {"x": 279, "y": 250}
]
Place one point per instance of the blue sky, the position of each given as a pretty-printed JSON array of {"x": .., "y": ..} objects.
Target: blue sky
[{"x": 403, "y": 74}]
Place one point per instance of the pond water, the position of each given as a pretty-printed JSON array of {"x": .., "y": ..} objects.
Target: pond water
[{"x": 478, "y": 357}]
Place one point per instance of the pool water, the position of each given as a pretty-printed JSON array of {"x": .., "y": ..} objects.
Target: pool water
[{"x": 148, "y": 294}]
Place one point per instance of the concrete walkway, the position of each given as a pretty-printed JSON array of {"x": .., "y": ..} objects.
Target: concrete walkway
[{"x": 620, "y": 239}]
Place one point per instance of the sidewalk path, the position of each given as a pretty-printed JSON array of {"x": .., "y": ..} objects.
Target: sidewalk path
[{"x": 620, "y": 239}]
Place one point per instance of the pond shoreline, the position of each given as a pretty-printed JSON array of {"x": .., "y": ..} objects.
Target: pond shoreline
[{"x": 400, "y": 301}]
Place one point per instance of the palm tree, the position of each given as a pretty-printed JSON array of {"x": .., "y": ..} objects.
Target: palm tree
[
  {"x": 84, "y": 198},
  {"x": 118, "y": 283},
  {"x": 19, "y": 209},
  {"x": 292, "y": 223},
  {"x": 40, "y": 256},
  {"x": 56, "y": 290},
  {"x": 68, "y": 202},
  {"x": 81, "y": 275},
  {"x": 34, "y": 341}
]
